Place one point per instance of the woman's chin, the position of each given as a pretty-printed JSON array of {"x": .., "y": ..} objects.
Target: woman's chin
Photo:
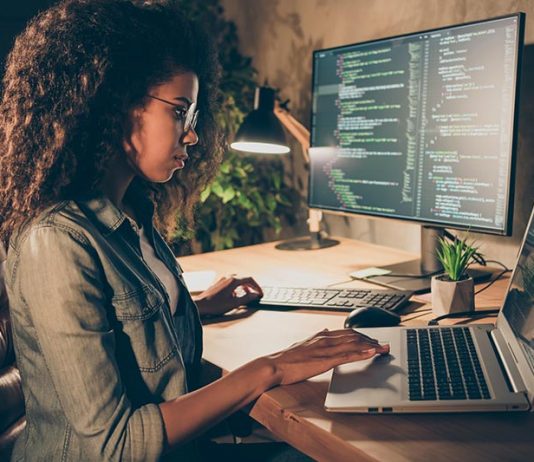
[{"x": 162, "y": 177}]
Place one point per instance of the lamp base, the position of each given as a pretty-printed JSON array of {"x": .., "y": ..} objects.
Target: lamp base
[{"x": 307, "y": 243}]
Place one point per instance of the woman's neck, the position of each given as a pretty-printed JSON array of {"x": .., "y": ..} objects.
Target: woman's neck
[{"x": 116, "y": 181}]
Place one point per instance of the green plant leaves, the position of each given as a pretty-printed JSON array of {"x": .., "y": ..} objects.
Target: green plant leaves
[
  {"x": 217, "y": 189},
  {"x": 455, "y": 257},
  {"x": 228, "y": 194},
  {"x": 245, "y": 202},
  {"x": 205, "y": 194},
  {"x": 247, "y": 198}
]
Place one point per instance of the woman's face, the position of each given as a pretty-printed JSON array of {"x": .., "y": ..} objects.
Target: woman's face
[{"x": 157, "y": 146}]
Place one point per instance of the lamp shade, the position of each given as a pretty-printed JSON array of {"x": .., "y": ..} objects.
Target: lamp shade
[{"x": 261, "y": 132}]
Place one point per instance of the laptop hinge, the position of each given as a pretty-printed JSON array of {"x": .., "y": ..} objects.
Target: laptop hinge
[{"x": 507, "y": 361}]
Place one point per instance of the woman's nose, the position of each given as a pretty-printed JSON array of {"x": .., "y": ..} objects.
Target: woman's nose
[{"x": 190, "y": 138}]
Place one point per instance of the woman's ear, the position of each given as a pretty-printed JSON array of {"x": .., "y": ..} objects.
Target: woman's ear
[
  {"x": 132, "y": 130},
  {"x": 128, "y": 146}
]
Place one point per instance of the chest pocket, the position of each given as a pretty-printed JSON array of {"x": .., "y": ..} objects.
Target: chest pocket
[{"x": 146, "y": 328}]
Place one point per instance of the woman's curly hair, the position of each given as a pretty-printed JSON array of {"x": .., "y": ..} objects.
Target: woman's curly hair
[{"x": 72, "y": 79}]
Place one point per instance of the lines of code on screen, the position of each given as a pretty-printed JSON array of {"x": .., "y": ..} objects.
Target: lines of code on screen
[{"x": 423, "y": 126}]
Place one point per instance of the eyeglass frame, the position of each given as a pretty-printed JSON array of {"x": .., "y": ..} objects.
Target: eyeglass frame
[{"x": 189, "y": 121}]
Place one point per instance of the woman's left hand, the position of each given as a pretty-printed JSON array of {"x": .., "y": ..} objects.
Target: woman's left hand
[{"x": 226, "y": 294}]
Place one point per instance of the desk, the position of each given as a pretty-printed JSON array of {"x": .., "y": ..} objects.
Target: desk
[{"x": 295, "y": 413}]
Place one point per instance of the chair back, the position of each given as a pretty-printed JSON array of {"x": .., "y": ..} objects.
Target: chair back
[{"x": 12, "y": 419}]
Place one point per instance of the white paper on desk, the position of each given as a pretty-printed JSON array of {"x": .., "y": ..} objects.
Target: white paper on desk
[
  {"x": 197, "y": 281},
  {"x": 369, "y": 272}
]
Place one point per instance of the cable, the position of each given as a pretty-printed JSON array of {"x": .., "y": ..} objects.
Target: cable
[
  {"x": 464, "y": 314},
  {"x": 407, "y": 275},
  {"x": 417, "y": 314},
  {"x": 501, "y": 274},
  {"x": 499, "y": 263}
]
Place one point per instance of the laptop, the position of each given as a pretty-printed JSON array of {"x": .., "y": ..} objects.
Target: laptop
[{"x": 468, "y": 368}]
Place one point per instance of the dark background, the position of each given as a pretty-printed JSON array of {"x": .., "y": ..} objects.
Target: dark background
[{"x": 13, "y": 17}]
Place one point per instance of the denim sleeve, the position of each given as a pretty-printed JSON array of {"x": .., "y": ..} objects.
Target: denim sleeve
[{"x": 63, "y": 286}]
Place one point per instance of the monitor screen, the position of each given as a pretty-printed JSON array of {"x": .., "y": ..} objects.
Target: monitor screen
[{"x": 420, "y": 127}]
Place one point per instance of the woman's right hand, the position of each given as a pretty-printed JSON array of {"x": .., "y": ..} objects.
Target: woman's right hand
[
  {"x": 222, "y": 397},
  {"x": 321, "y": 352}
]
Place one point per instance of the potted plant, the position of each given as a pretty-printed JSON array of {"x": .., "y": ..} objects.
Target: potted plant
[{"x": 453, "y": 291}]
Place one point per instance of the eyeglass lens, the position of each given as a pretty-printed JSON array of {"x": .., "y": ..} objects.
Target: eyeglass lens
[{"x": 191, "y": 118}]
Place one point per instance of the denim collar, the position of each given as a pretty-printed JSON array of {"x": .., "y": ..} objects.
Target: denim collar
[
  {"x": 100, "y": 209},
  {"x": 103, "y": 212}
]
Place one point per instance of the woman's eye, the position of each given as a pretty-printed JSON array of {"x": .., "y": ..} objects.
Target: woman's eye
[{"x": 180, "y": 113}]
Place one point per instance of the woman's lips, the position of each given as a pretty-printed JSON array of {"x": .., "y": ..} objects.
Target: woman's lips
[{"x": 180, "y": 160}]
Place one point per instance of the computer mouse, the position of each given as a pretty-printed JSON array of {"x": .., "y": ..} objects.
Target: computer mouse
[{"x": 372, "y": 316}]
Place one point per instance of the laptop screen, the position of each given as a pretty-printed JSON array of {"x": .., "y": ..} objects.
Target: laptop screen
[{"x": 518, "y": 307}]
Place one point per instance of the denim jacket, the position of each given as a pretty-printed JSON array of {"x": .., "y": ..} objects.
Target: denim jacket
[{"x": 95, "y": 340}]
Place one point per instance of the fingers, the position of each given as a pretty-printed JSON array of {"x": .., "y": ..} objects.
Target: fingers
[
  {"x": 233, "y": 282},
  {"x": 365, "y": 336},
  {"x": 324, "y": 350},
  {"x": 219, "y": 286},
  {"x": 235, "y": 287},
  {"x": 369, "y": 353},
  {"x": 349, "y": 348},
  {"x": 344, "y": 347},
  {"x": 342, "y": 355},
  {"x": 331, "y": 344},
  {"x": 355, "y": 356},
  {"x": 247, "y": 297},
  {"x": 346, "y": 333},
  {"x": 228, "y": 293},
  {"x": 244, "y": 290},
  {"x": 248, "y": 284}
]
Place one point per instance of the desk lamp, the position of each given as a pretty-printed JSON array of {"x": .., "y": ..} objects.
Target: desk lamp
[{"x": 262, "y": 133}]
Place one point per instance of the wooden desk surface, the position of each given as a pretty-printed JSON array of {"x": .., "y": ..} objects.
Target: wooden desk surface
[{"x": 296, "y": 414}]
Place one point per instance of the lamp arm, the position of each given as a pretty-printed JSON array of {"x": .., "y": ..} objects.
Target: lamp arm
[{"x": 293, "y": 126}]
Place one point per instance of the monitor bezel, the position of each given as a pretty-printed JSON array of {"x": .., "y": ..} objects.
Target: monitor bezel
[{"x": 508, "y": 227}]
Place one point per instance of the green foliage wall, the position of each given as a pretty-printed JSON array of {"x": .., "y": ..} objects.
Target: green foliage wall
[{"x": 247, "y": 197}]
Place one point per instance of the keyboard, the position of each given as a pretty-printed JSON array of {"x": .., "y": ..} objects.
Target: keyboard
[
  {"x": 443, "y": 364},
  {"x": 333, "y": 299}
]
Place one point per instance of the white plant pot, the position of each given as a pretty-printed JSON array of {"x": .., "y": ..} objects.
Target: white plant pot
[{"x": 452, "y": 296}]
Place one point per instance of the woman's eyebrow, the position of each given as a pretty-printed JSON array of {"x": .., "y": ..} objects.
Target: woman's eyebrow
[{"x": 184, "y": 100}]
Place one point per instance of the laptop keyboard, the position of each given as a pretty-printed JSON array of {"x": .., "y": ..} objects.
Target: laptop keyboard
[
  {"x": 337, "y": 299},
  {"x": 443, "y": 364}
]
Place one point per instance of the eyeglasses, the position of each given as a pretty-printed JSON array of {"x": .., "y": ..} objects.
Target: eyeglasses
[{"x": 188, "y": 117}]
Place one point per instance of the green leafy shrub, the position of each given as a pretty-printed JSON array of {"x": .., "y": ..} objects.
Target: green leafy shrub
[{"x": 247, "y": 197}]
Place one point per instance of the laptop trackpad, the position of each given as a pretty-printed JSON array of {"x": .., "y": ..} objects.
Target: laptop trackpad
[{"x": 374, "y": 383}]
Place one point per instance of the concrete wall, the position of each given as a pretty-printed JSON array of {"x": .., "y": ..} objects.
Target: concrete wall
[{"x": 281, "y": 34}]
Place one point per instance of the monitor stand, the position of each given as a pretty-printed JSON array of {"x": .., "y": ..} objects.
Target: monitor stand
[
  {"x": 416, "y": 275},
  {"x": 312, "y": 242}
]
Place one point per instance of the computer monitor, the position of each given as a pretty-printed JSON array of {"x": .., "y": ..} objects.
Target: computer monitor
[{"x": 420, "y": 127}]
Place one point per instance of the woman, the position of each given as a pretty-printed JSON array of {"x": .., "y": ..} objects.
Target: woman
[{"x": 99, "y": 135}]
